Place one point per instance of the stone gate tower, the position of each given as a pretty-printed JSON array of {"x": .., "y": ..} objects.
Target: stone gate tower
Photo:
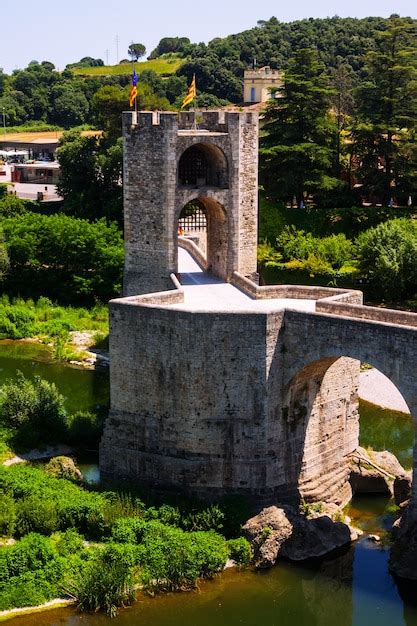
[{"x": 169, "y": 160}]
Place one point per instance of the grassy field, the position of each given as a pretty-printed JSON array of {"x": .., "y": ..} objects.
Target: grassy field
[{"x": 163, "y": 65}]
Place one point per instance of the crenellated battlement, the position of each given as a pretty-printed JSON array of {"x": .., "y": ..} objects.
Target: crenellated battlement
[{"x": 214, "y": 121}]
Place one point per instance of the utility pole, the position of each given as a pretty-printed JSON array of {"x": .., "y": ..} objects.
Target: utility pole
[{"x": 117, "y": 49}]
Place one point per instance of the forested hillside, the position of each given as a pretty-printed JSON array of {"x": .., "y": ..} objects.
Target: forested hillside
[{"x": 219, "y": 65}]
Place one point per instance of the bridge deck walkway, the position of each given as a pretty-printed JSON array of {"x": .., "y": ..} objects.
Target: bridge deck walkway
[{"x": 204, "y": 292}]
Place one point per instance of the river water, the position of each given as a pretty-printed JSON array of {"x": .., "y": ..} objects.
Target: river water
[{"x": 353, "y": 588}]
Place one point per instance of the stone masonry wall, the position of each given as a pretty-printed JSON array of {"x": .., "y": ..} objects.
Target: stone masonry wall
[{"x": 200, "y": 403}]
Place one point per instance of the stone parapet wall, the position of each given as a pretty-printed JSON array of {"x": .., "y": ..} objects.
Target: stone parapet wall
[
  {"x": 305, "y": 292},
  {"x": 194, "y": 250},
  {"x": 387, "y": 316}
]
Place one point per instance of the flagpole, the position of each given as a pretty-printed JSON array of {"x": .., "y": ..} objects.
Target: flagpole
[
  {"x": 133, "y": 72},
  {"x": 195, "y": 104}
]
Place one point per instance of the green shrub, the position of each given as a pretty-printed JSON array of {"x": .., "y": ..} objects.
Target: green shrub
[
  {"x": 240, "y": 550},
  {"x": 36, "y": 514},
  {"x": 172, "y": 559},
  {"x": 85, "y": 429},
  {"x": 29, "y": 554},
  {"x": 36, "y": 408},
  {"x": 128, "y": 530},
  {"x": 68, "y": 543},
  {"x": 211, "y": 518},
  {"x": 27, "y": 590},
  {"x": 7, "y": 515},
  {"x": 103, "y": 586}
]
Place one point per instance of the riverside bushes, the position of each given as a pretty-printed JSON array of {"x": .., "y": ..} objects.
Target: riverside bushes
[
  {"x": 33, "y": 409},
  {"x": 51, "y": 516}
]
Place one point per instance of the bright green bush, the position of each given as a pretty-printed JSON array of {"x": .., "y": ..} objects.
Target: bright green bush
[
  {"x": 388, "y": 258},
  {"x": 128, "y": 530},
  {"x": 36, "y": 514},
  {"x": 171, "y": 559},
  {"x": 7, "y": 515},
  {"x": 240, "y": 550},
  {"x": 63, "y": 257},
  {"x": 103, "y": 586}
]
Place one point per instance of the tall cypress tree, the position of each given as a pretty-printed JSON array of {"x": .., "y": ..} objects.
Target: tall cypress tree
[
  {"x": 387, "y": 112},
  {"x": 298, "y": 136}
]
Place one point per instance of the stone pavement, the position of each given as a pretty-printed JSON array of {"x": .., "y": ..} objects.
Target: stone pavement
[{"x": 203, "y": 292}]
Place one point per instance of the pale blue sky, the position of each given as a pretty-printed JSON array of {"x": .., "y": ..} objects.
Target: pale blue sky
[{"x": 64, "y": 31}]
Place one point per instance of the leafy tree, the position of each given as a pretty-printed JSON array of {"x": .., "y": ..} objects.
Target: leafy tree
[
  {"x": 297, "y": 149},
  {"x": 70, "y": 105},
  {"x": 34, "y": 407},
  {"x": 91, "y": 175},
  {"x": 136, "y": 51},
  {"x": 63, "y": 258},
  {"x": 388, "y": 258},
  {"x": 179, "y": 45},
  {"x": 387, "y": 101}
]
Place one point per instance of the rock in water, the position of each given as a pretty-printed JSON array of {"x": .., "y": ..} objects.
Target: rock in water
[
  {"x": 267, "y": 531},
  {"x": 403, "y": 555},
  {"x": 402, "y": 488},
  {"x": 64, "y": 467},
  {"x": 315, "y": 537},
  {"x": 365, "y": 477},
  {"x": 284, "y": 532}
]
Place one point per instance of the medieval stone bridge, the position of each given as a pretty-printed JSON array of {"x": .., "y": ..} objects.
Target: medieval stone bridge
[{"x": 219, "y": 385}]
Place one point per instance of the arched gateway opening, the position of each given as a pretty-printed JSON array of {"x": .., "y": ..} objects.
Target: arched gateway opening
[
  {"x": 322, "y": 415},
  {"x": 203, "y": 165},
  {"x": 204, "y": 222}
]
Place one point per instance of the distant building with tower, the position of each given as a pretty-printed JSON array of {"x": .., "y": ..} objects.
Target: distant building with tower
[{"x": 259, "y": 85}]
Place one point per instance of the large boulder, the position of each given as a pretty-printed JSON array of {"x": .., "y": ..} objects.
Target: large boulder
[
  {"x": 284, "y": 532},
  {"x": 402, "y": 488},
  {"x": 267, "y": 532},
  {"x": 316, "y": 537},
  {"x": 374, "y": 472},
  {"x": 64, "y": 467}
]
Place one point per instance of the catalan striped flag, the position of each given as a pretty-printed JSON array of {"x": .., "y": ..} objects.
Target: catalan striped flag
[
  {"x": 133, "y": 89},
  {"x": 190, "y": 95}
]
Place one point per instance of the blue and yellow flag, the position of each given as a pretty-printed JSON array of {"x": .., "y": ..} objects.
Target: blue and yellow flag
[
  {"x": 190, "y": 95},
  {"x": 133, "y": 89}
]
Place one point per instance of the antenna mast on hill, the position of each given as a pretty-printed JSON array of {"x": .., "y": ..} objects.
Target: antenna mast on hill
[{"x": 117, "y": 49}]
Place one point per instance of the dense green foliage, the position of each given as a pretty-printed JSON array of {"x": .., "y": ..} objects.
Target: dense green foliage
[
  {"x": 382, "y": 258},
  {"x": 33, "y": 409},
  {"x": 63, "y": 258},
  {"x": 297, "y": 146},
  {"x": 384, "y": 131},
  {"x": 91, "y": 174},
  {"x": 219, "y": 65},
  {"x": 137, "y": 544}
]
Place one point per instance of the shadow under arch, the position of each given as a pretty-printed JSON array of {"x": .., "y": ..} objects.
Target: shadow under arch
[
  {"x": 321, "y": 417},
  {"x": 217, "y": 243},
  {"x": 203, "y": 165}
]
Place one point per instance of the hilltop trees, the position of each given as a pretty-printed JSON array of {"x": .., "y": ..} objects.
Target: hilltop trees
[
  {"x": 136, "y": 51},
  {"x": 298, "y": 148}
]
